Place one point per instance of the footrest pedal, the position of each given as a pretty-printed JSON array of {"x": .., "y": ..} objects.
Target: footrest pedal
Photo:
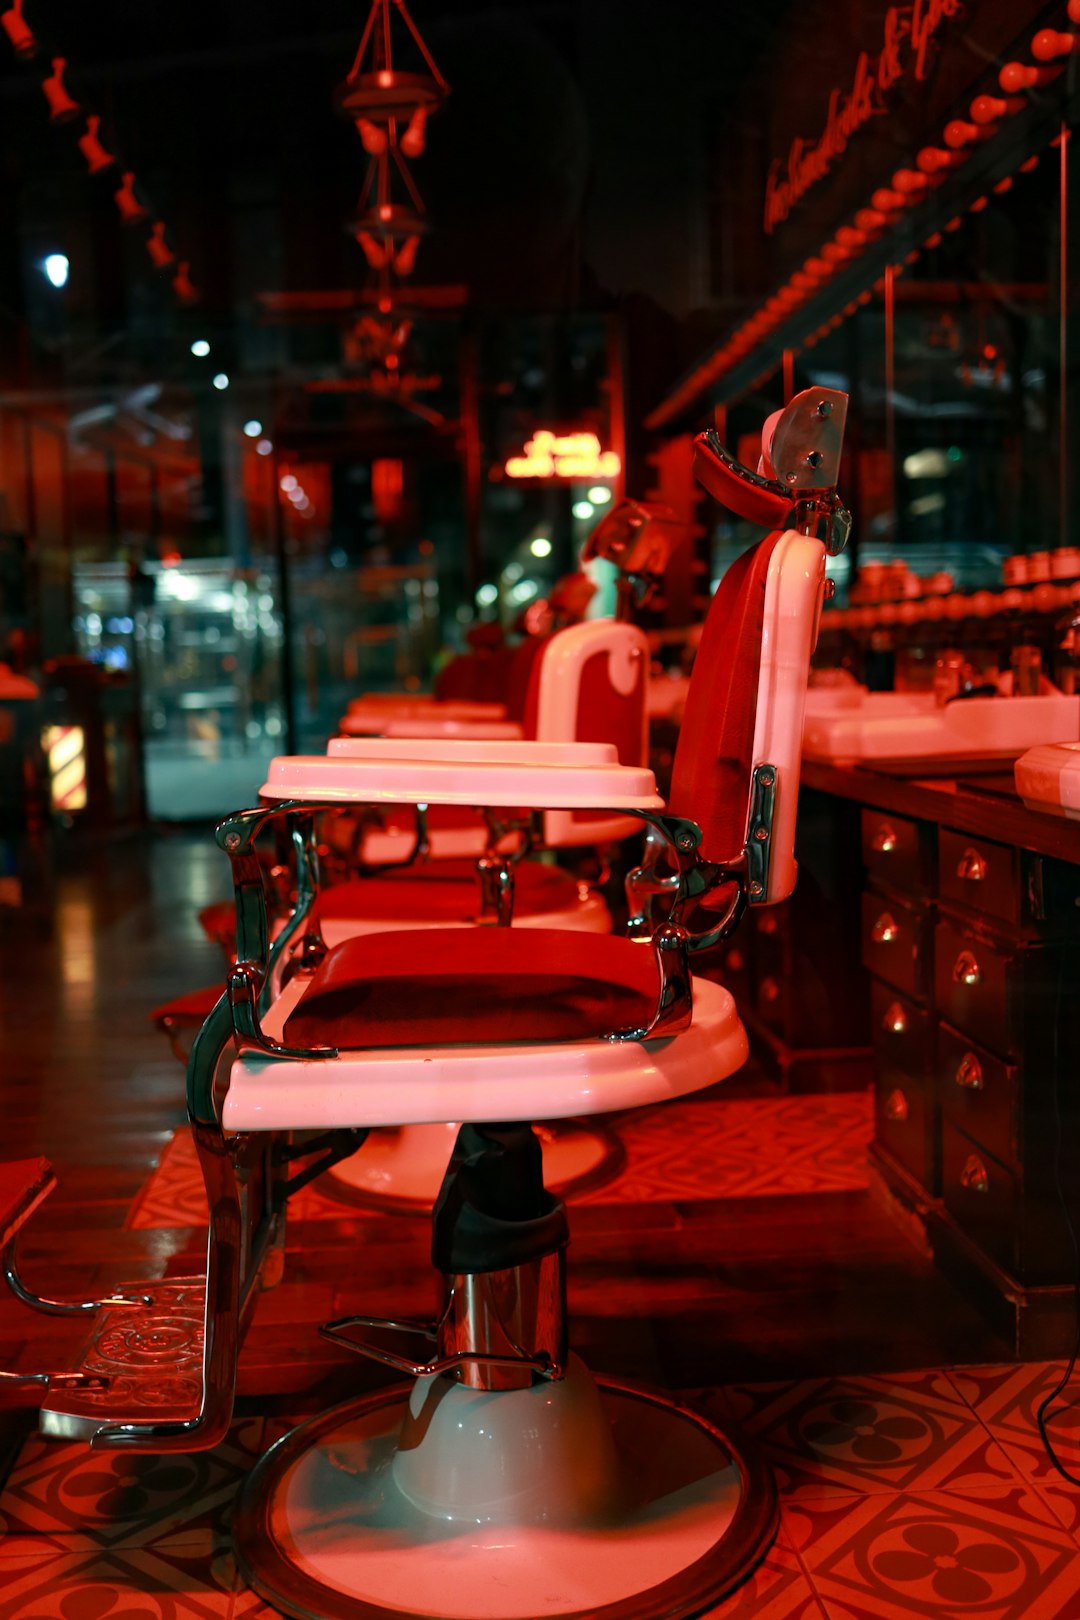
[{"x": 150, "y": 1361}]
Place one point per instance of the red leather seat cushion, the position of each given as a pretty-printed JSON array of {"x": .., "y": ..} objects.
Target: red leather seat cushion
[
  {"x": 445, "y": 896},
  {"x": 467, "y": 986}
]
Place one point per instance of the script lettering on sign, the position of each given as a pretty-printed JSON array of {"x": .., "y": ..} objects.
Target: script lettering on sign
[{"x": 907, "y": 37}]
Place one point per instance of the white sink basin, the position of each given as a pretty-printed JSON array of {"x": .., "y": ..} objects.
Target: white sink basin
[
  {"x": 1048, "y": 779},
  {"x": 910, "y": 725}
]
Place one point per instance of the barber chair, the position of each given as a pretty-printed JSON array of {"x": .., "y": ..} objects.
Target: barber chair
[
  {"x": 589, "y": 682},
  {"x": 503, "y": 1480}
]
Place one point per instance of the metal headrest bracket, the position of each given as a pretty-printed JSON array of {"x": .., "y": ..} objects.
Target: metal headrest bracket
[{"x": 805, "y": 455}]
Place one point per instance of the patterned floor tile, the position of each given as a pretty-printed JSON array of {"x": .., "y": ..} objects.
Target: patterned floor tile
[
  {"x": 870, "y": 1435},
  {"x": 1006, "y": 1400},
  {"x": 174, "y": 1194},
  {"x": 110, "y": 1499},
  {"x": 751, "y": 1147},
  {"x": 126, "y": 1584},
  {"x": 931, "y": 1555},
  {"x": 777, "y": 1590}
]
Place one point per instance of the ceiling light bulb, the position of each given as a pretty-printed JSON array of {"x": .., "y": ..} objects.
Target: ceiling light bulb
[
  {"x": 264, "y": 447},
  {"x": 582, "y": 509},
  {"x": 541, "y": 546},
  {"x": 253, "y": 428},
  {"x": 200, "y": 348},
  {"x": 221, "y": 380},
  {"x": 56, "y": 267},
  {"x": 600, "y": 495}
]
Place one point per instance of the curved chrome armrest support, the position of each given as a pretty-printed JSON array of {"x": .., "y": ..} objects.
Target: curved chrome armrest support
[{"x": 689, "y": 880}]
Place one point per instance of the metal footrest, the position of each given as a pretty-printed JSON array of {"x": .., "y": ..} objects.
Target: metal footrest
[{"x": 148, "y": 1359}]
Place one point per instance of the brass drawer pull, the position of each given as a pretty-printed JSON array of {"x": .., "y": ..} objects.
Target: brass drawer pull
[
  {"x": 885, "y": 930},
  {"x": 895, "y": 1021},
  {"x": 884, "y": 840},
  {"x": 974, "y": 1176},
  {"x": 969, "y": 1072},
  {"x": 966, "y": 970},
  {"x": 971, "y": 866},
  {"x": 896, "y": 1105}
]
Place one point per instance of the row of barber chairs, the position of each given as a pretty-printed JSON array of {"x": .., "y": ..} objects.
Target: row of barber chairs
[{"x": 503, "y": 1479}]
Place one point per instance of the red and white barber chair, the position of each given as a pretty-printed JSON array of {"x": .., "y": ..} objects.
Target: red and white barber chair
[
  {"x": 589, "y": 683},
  {"x": 503, "y": 1480}
]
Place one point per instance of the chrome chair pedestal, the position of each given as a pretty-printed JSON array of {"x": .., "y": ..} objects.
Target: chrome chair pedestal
[{"x": 505, "y": 1481}]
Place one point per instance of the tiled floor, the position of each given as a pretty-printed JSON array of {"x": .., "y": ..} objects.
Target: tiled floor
[
  {"x": 902, "y": 1498},
  {"x": 748, "y": 1148}
]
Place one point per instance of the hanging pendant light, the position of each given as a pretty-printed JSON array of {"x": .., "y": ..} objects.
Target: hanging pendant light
[
  {"x": 131, "y": 209},
  {"x": 19, "y": 32},
  {"x": 62, "y": 108},
  {"x": 375, "y": 89},
  {"x": 97, "y": 158}
]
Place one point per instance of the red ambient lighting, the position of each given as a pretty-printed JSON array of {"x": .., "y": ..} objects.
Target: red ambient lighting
[
  {"x": 907, "y": 35},
  {"x": 567, "y": 455}
]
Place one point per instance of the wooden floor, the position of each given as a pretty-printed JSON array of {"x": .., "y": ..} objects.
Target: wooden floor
[{"x": 692, "y": 1294}]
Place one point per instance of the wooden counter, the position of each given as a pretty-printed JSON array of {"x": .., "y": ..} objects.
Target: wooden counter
[
  {"x": 969, "y": 929},
  {"x": 987, "y": 811}
]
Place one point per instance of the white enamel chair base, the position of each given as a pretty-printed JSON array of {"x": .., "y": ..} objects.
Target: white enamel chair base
[
  {"x": 566, "y": 1499},
  {"x": 403, "y": 1169}
]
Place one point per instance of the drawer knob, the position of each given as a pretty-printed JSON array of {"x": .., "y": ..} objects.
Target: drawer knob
[
  {"x": 966, "y": 970},
  {"x": 884, "y": 840},
  {"x": 969, "y": 1072},
  {"x": 770, "y": 990},
  {"x": 884, "y": 930},
  {"x": 971, "y": 866},
  {"x": 896, "y": 1105},
  {"x": 734, "y": 962},
  {"x": 895, "y": 1021},
  {"x": 974, "y": 1176}
]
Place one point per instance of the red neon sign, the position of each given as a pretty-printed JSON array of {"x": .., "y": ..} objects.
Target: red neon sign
[
  {"x": 567, "y": 455},
  {"x": 907, "y": 36}
]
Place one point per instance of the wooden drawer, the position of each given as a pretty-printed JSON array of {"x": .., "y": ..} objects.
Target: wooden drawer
[
  {"x": 901, "y": 1031},
  {"x": 892, "y": 851},
  {"x": 974, "y": 982},
  {"x": 980, "y": 874},
  {"x": 903, "y": 1122},
  {"x": 981, "y": 1195},
  {"x": 893, "y": 943},
  {"x": 979, "y": 1093}
]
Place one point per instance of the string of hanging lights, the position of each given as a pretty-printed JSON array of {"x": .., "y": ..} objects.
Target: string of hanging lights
[
  {"x": 65, "y": 109},
  {"x": 908, "y": 188}
]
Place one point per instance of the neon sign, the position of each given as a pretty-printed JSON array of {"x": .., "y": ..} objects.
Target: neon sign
[
  {"x": 568, "y": 455},
  {"x": 907, "y": 37}
]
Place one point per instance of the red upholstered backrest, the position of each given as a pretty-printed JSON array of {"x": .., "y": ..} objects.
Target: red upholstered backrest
[
  {"x": 475, "y": 677},
  {"x": 521, "y": 687},
  {"x": 604, "y": 714},
  {"x": 710, "y": 780}
]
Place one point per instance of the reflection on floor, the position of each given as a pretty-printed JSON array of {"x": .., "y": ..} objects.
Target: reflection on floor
[{"x": 743, "y": 1258}]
